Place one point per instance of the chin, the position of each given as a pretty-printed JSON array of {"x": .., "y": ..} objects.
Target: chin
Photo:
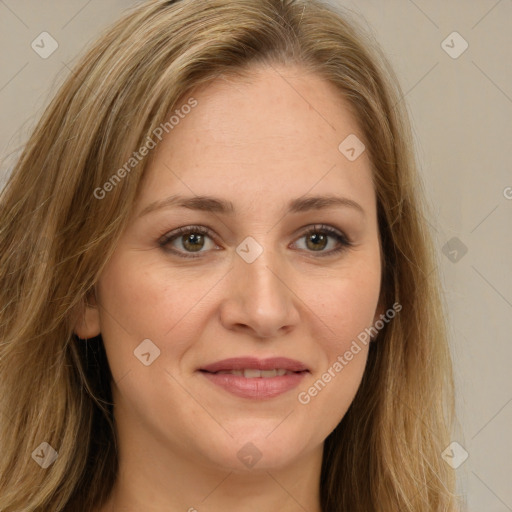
[{"x": 254, "y": 450}]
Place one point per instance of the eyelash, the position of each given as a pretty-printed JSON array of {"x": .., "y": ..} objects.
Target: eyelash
[{"x": 322, "y": 229}]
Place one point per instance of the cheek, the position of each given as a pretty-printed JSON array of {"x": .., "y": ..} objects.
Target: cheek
[
  {"x": 349, "y": 312},
  {"x": 347, "y": 304},
  {"x": 345, "y": 309},
  {"x": 146, "y": 297},
  {"x": 133, "y": 307}
]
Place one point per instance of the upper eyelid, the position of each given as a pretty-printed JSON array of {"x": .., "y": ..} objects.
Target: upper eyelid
[
  {"x": 185, "y": 229},
  {"x": 207, "y": 230}
]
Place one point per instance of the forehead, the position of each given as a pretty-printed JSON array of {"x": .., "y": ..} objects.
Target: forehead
[{"x": 272, "y": 134}]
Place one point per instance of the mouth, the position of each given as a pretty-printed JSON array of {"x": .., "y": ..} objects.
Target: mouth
[
  {"x": 250, "y": 373},
  {"x": 252, "y": 363},
  {"x": 248, "y": 377}
]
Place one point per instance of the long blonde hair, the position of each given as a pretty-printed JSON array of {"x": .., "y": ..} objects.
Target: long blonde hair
[{"x": 56, "y": 236}]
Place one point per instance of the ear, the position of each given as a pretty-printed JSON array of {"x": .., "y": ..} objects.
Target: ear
[{"x": 87, "y": 319}]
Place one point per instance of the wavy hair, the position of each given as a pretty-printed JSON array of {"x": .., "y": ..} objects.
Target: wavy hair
[{"x": 56, "y": 237}]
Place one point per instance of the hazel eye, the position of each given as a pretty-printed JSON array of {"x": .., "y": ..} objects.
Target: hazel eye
[
  {"x": 191, "y": 238},
  {"x": 318, "y": 238}
]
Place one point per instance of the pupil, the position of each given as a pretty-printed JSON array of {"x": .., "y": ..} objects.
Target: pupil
[
  {"x": 192, "y": 239},
  {"x": 316, "y": 238}
]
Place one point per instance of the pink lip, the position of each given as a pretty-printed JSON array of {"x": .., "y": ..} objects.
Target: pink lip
[
  {"x": 258, "y": 387},
  {"x": 253, "y": 363}
]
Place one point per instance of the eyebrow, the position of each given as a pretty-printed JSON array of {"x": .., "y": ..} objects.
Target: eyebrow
[{"x": 221, "y": 206}]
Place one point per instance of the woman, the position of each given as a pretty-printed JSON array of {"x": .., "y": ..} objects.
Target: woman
[{"x": 217, "y": 286}]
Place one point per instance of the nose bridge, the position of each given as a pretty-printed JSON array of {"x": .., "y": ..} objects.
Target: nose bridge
[
  {"x": 264, "y": 300},
  {"x": 259, "y": 268}
]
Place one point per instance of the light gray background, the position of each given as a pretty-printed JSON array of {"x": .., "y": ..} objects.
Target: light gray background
[{"x": 461, "y": 111}]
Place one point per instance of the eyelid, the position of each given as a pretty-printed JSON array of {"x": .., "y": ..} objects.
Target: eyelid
[
  {"x": 167, "y": 238},
  {"x": 344, "y": 241},
  {"x": 204, "y": 230},
  {"x": 314, "y": 228}
]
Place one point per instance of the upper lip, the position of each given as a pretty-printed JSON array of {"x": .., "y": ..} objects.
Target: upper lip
[{"x": 253, "y": 363}]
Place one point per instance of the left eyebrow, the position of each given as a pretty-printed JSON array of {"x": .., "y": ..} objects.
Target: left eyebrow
[{"x": 222, "y": 206}]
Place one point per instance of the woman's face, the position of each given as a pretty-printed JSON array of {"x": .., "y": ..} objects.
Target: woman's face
[{"x": 253, "y": 286}]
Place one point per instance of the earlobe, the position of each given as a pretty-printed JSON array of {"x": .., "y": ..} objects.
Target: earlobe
[{"x": 87, "y": 323}]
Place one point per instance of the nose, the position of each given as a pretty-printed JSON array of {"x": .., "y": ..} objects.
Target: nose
[{"x": 259, "y": 297}]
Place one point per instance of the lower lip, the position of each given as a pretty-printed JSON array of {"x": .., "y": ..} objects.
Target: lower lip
[{"x": 258, "y": 387}]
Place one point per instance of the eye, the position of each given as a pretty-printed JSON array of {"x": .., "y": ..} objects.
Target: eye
[
  {"x": 317, "y": 238},
  {"x": 191, "y": 239}
]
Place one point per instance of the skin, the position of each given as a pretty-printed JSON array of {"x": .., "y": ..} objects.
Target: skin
[{"x": 257, "y": 142}]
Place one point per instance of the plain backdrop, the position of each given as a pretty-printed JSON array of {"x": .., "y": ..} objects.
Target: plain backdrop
[{"x": 460, "y": 102}]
